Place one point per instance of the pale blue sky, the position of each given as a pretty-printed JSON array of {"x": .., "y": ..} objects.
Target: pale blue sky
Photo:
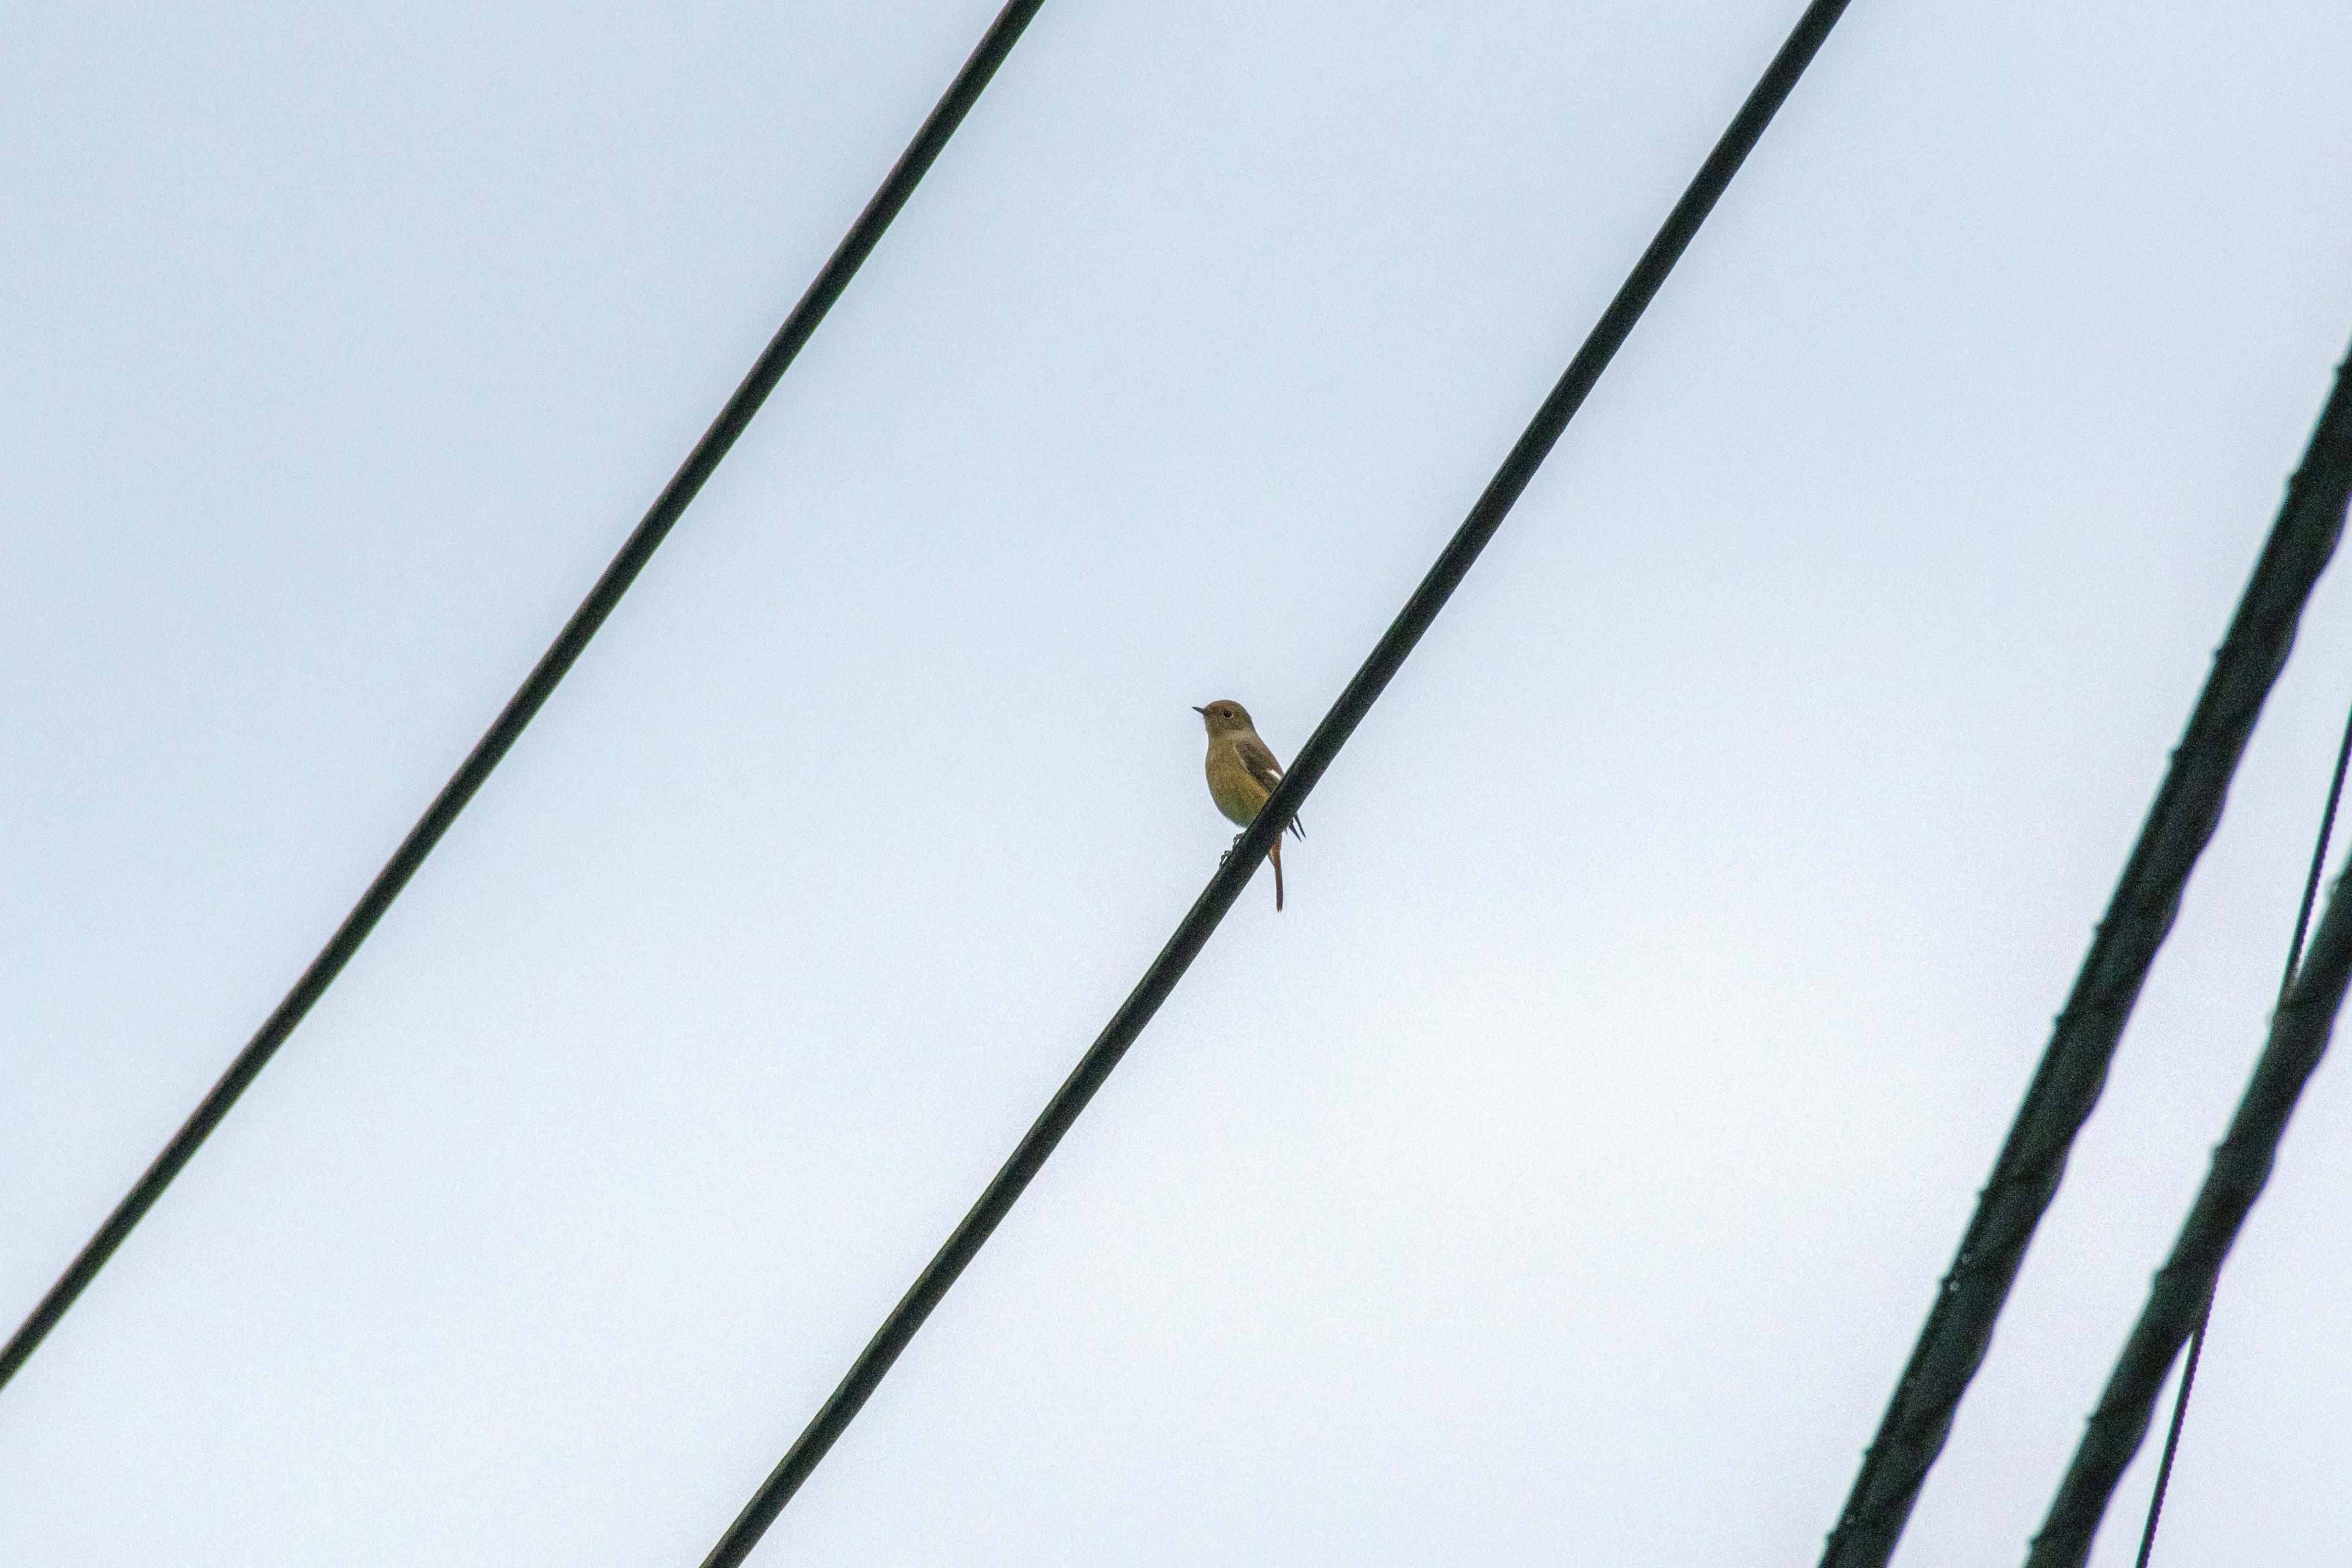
[{"x": 1562, "y": 1177}]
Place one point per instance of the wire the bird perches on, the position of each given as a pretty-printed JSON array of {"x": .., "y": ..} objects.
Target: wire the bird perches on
[{"x": 873, "y": 1363}]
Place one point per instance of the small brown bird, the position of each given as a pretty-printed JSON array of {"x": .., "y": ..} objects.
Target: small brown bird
[{"x": 1242, "y": 774}]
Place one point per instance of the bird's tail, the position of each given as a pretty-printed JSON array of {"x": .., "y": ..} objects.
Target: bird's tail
[{"x": 1274, "y": 855}]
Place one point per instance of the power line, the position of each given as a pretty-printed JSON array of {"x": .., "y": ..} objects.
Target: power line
[
  {"x": 2074, "y": 1067},
  {"x": 552, "y": 667},
  {"x": 873, "y": 1363},
  {"x": 2286, "y": 982},
  {"x": 2183, "y": 1287}
]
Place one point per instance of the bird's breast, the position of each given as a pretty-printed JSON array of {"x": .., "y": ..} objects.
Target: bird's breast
[{"x": 1237, "y": 794}]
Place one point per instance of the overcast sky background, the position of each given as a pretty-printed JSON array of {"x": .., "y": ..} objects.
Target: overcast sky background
[{"x": 1562, "y": 1177}]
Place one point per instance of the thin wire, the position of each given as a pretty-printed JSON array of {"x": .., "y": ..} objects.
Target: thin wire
[
  {"x": 2172, "y": 1437},
  {"x": 2318, "y": 860},
  {"x": 2286, "y": 983},
  {"x": 873, "y": 1363},
  {"x": 526, "y": 703},
  {"x": 2074, "y": 1067}
]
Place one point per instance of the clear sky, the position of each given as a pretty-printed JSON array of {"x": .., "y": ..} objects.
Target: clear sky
[{"x": 1561, "y": 1178}]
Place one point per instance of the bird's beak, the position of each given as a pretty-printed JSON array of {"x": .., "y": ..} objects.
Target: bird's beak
[{"x": 1204, "y": 712}]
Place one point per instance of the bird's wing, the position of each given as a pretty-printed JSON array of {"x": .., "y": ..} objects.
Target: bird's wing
[
  {"x": 1263, "y": 769},
  {"x": 1259, "y": 762}
]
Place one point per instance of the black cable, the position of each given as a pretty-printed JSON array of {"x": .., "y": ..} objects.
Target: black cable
[
  {"x": 552, "y": 667},
  {"x": 2183, "y": 1287},
  {"x": 2075, "y": 1066},
  {"x": 2286, "y": 982},
  {"x": 873, "y": 1363}
]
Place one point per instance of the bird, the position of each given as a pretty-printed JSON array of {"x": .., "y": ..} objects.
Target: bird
[{"x": 1242, "y": 774}]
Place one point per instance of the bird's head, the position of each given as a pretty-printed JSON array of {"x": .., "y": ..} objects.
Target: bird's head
[{"x": 1225, "y": 718}]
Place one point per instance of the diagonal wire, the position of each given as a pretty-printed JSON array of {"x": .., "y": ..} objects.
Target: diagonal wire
[
  {"x": 875, "y": 1361},
  {"x": 2066, "y": 1085},
  {"x": 552, "y": 667},
  {"x": 2183, "y": 1287},
  {"x": 2286, "y": 982}
]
